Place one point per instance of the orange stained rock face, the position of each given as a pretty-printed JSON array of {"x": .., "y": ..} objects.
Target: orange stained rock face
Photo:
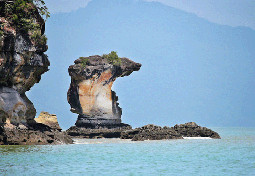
[
  {"x": 93, "y": 94},
  {"x": 1, "y": 61}
]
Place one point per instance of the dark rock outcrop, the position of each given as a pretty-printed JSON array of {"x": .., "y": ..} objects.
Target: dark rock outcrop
[
  {"x": 99, "y": 131},
  {"x": 91, "y": 97},
  {"x": 21, "y": 65},
  {"x": 36, "y": 134},
  {"x": 151, "y": 132},
  {"x": 22, "y": 62},
  {"x": 191, "y": 129}
]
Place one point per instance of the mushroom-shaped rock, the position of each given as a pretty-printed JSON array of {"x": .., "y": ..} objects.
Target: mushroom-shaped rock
[{"x": 90, "y": 93}]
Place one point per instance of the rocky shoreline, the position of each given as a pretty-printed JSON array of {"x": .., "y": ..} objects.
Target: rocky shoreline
[
  {"x": 44, "y": 131},
  {"x": 42, "y": 134},
  {"x": 147, "y": 132},
  {"x": 37, "y": 134}
]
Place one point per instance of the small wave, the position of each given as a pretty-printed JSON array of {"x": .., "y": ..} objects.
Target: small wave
[
  {"x": 100, "y": 141},
  {"x": 118, "y": 140},
  {"x": 197, "y": 138}
]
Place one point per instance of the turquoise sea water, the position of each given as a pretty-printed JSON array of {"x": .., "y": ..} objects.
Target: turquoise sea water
[{"x": 234, "y": 154}]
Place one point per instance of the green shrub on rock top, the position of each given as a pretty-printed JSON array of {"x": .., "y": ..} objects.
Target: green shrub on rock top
[
  {"x": 113, "y": 58},
  {"x": 21, "y": 13},
  {"x": 27, "y": 16},
  {"x": 84, "y": 61}
]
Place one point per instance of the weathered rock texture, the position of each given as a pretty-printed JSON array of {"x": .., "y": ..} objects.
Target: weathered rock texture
[
  {"x": 151, "y": 132},
  {"x": 191, "y": 129},
  {"x": 21, "y": 65},
  {"x": 36, "y": 134},
  {"x": 49, "y": 120},
  {"x": 22, "y": 62},
  {"x": 90, "y": 93},
  {"x": 100, "y": 131}
]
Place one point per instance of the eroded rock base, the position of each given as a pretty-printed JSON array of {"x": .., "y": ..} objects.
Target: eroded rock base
[
  {"x": 98, "y": 130},
  {"x": 36, "y": 134},
  {"x": 84, "y": 121}
]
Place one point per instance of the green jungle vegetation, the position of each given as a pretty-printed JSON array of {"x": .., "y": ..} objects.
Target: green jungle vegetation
[{"x": 26, "y": 16}]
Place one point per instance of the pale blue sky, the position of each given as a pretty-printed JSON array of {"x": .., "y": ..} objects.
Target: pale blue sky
[
  {"x": 226, "y": 12},
  {"x": 193, "y": 69}
]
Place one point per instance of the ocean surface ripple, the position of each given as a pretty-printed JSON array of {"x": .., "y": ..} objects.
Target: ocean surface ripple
[{"x": 234, "y": 154}]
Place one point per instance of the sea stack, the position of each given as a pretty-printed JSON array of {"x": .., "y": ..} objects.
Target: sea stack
[
  {"x": 91, "y": 97},
  {"x": 22, "y": 62}
]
